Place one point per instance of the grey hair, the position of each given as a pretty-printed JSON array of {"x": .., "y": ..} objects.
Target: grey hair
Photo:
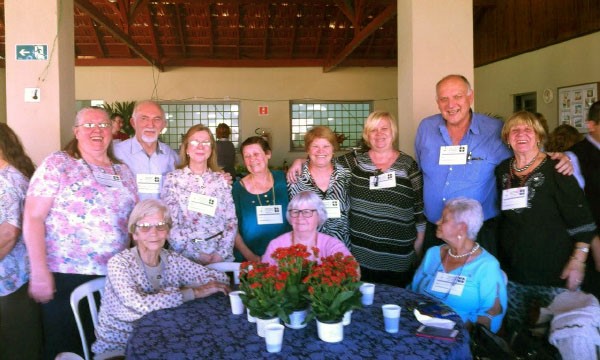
[
  {"x": 467, "y": 211},
  {"x": 309, "y": 199},
  {"x": 87, "y": 109},
  {"x": 145, "y": 208}
]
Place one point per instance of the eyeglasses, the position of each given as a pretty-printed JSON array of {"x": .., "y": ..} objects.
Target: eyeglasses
[
  {"x": 145, "y": 227},
  {"x": 376, "y": 181},
  {"x": 196, "y": 143},
  {"x": 306, "y": 213},
  {"x": 93, "y": 125}
]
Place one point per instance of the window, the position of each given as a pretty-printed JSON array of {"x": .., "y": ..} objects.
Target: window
[
  {"x": 526, "y": 101},
  {"x": 345, "y": 118},
  {"x": 181, "y": 116}
]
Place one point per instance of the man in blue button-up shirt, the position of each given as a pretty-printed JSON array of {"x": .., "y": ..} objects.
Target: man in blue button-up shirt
[{"x": 148, "y": 158}]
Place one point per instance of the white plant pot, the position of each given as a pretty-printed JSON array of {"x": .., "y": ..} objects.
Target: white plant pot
[
  {"x": 261, "y": 323},
  {"x": 347, "y": 318},
  {"x": 330, "y": 332},
  {"x": 297, "y": 318}
]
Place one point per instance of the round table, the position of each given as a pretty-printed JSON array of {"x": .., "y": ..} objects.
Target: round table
[{"x": 205, "y": 328}]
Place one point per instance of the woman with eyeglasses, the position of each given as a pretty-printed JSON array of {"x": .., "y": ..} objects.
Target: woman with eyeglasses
[
  {"x": 75, "y": 219},
  {"x": 147, "y": 277},
  {"x": 200, "y": 202},
  {"x": 462, "y": 274},
  {"x": 261, "y": 201},
  {"x": 306, "y": 212}
]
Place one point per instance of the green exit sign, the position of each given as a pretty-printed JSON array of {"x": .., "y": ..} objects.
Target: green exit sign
[{"x": 32, "y": 52}]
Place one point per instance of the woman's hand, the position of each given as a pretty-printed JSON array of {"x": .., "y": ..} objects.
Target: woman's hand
[
  {"x": 294, "y": 171},
  {"x": 210, "y": 288},
  {"x": 41, "y": 287},
  {"x": 564, "y": 165},
  {"x": 573, "y": 272}
]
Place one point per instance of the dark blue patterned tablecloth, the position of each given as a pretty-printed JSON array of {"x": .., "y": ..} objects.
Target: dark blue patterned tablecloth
[{"x": 206, "y": 329}]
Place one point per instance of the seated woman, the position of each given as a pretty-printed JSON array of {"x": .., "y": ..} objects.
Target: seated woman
[
  {"x": 460, "y": 273},
  {"x": 147, "y": 278},
  {"x": 306, "y": 212}
]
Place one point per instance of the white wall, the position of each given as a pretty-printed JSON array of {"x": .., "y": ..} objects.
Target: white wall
[
  {"x": 253, "y": 87},
  {"x": 569, "y": 63}
]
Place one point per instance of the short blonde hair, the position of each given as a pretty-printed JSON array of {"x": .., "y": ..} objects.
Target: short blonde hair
[
  {"x": 145, "y": 208},
  {"x": 524, "y": 118},
  {"x": 374, "y": 119},
  {"x": 320, "y": 132}
]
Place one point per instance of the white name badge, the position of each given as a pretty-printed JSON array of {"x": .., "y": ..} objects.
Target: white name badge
[
  {"x": 109, "y": 180},
  {"x": 269, "y": 214},
  {"x": 332, "y": 207},
  {"x": 449, "y": 283},
  {"x": 515, "y": 198},
  {"x": 383, "y": 181},
  {"x": 453, "y": 155},
  {"x": 203, "y": 204},
  {"x": 148, "y": 183}
]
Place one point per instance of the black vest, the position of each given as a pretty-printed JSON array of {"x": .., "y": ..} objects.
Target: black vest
[{"x": 589, "y": 160}]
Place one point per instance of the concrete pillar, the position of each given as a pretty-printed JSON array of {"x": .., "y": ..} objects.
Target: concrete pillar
[
  {"x": 46, "y": 124},
  {"x": 435, "y": 38}
]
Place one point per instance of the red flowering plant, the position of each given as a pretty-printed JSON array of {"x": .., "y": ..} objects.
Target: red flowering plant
[
  {"x": 294, "y": 266},
  {"x": 333, "y": 288},
  {"x": 263, "y": 286}
]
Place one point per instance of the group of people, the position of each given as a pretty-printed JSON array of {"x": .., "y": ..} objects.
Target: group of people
[{"x": 482, "y": 219}]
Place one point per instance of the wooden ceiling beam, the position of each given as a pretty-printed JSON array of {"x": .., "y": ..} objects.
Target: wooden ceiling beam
[
  {"x": 152, "y": 30},
  {"x": 388, "y": 13},
  {"x": 99, "y": 41},
  {"x": 92, "y": 11},
  {"x": 180, "y": 32}
]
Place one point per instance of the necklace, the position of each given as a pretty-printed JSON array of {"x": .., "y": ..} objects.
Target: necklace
[
  {"x": 473, "y": 250},
  {"x": 518, "y": 169}
]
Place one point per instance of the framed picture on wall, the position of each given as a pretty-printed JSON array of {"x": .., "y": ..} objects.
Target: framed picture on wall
[{"x": 574, "y": 103}]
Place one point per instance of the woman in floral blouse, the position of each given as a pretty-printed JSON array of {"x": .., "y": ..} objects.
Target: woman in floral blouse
[
  {"x": 75, "y": 219},
  {"x": 200, "y": 202},
  {"x": 147, "y": 278},
  {"x": 20, "y": 335}
]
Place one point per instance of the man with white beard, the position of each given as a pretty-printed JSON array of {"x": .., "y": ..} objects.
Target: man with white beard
[{"x": 149, "y": 159}]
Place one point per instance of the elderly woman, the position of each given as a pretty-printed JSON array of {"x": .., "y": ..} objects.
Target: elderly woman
[
  {"x": 546, "y": 226},
  {"x": 260, "y": 199},
  {"x": 461, "y": 273},
  {"x": 75, "y": 219},
  {"x": 146, "y": 278},
  {"x": 20, "y": 329},
  {"x": 324, "y": 176},
  {"x": 199, "y": 199},
  {"x": 386, "y": 204},
  {"x": 306, "y": 212}
]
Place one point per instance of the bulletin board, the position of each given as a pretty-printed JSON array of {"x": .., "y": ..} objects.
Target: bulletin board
[{"x": 574, "y": 103}]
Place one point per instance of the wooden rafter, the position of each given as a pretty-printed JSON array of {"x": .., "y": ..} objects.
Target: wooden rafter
[
  {"x": 179, "y": 27},
  {"x": 294, "y": 32},
  {"x": 152, "y": 31},
  {"x": 382, "y": 18},
  {"x": 266, "y": 40},
  {"x": 211, "y": 35},
  {"x": 99, "y": 41},
  {"x": 239, "y": 33},
  {"x": 92, "y": 11}
]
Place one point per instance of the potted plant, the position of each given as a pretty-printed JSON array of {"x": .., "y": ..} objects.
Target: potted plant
[
  {"x": 333, "y": 288},
  {"x": 294, "y": 266},
  {"x": 263, "y": 292}
]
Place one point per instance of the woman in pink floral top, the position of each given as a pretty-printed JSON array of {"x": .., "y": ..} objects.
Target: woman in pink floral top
[
  {"x": 75, "y": 219},
  {"x": 199, "y": 199},
  {"x": 20, "y": 329}
]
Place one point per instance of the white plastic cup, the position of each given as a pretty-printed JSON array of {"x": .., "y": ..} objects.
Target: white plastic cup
[
  {"x": 237, "y": 306},
  {"x": 368, "y": 292},
  {"x": 274, "y": 337},
  {"x": 391, "y": 317}
]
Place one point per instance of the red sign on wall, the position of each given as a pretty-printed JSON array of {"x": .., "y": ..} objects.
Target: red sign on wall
[{"x": 263, "y": 110}]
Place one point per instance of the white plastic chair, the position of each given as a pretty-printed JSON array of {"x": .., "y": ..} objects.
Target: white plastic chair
[
  {"x": 225, "y": 266},
  {"x": 87, "y": 290}
]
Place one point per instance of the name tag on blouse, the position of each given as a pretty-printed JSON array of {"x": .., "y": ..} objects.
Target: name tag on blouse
[
  {"x": 148, "y": 183},
  {"x": 203, "y": 204},
  {"x": 449, "y": 283},
  {"x": 453, "y": 155},
  {"x": 383, "y": 181},
  {"x": 332, "y": 207},
  {"x": 269, "y": 214},
  {"x": 109, "y": 180},
  {"x": 515, "y": 198}
]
